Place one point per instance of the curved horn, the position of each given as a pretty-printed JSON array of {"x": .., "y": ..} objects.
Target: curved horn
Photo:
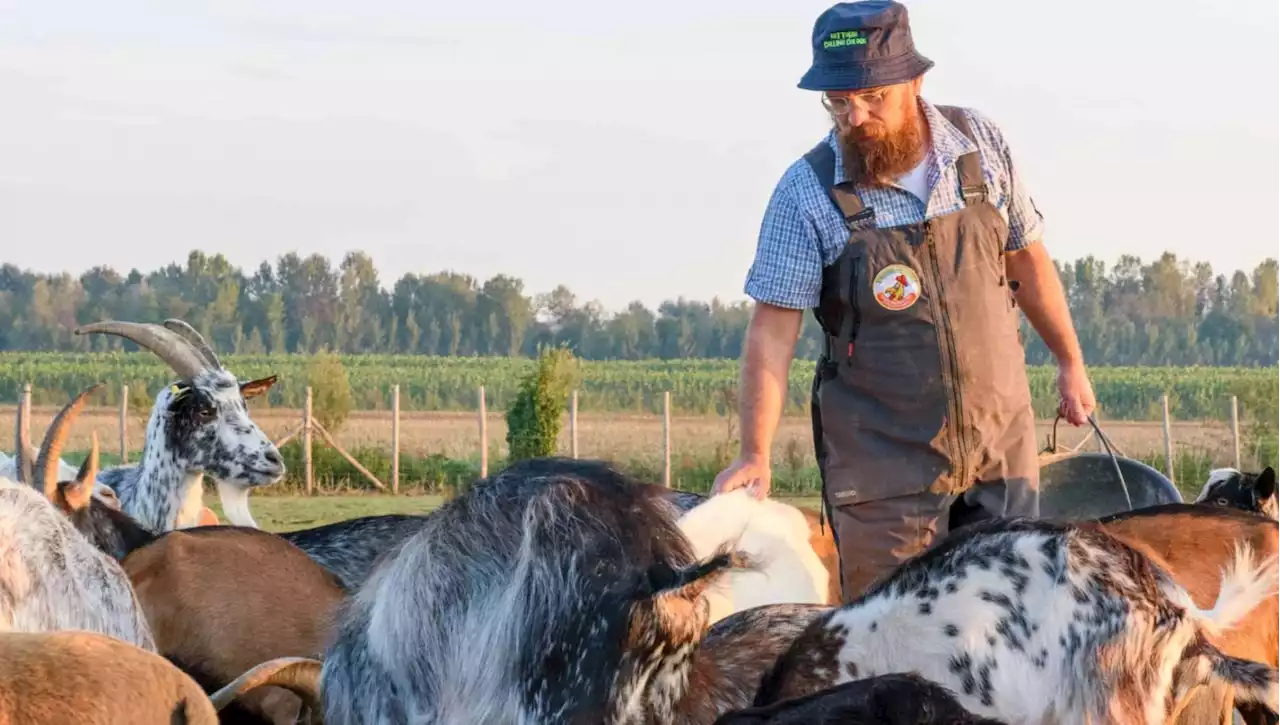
[
  {"x": 299, "y": 675},
  {"x": 195, "y": 338},
  {"x": 177, "y": 352},
  {"x": 24, "y": 453},
  {"x": 46, "y": 470},
  {"x": 89, "y": 469}
]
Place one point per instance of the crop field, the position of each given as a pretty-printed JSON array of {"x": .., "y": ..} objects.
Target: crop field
[{"x": 697, "y": 387}]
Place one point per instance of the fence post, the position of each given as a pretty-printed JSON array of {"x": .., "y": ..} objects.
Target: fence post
[
  {"x": 1168, "y": 437},
  {"x": 1235, "y": 430},
  {"x": 666, "y": 438},
  {"x": 573, "y": 424},
  {"x": 306, "y": 441},
  {"x": 484, "y": 438},
  {"x": 124, "y": 412},
  {"x": 395, "y": 438},
  {"x": 24, "y": 403}
]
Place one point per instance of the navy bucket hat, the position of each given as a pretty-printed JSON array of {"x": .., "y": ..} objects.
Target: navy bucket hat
[{"x": 863, "y": 45}]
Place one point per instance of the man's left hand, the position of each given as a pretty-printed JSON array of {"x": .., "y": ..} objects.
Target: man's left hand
[{"x": 1075, "y": 394}]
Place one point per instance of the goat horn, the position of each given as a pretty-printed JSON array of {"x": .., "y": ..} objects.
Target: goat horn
[
  {"x": 176, "y": 351},
  {"x": 89, "y": 469},
  {"x": 46, "y": 470},
  {"x": 24, "y": 453},
  {"x": 299, "y": 675},
  {"x": 195, "y": 338}
]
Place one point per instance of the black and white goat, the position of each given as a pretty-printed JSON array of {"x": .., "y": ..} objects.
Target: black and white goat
[
  {"x": 1037, "y": 621},
  {"x": 556, "y": 591},
  {"x": 199, "y": 424},
  {"x": 51, "y": 576},
  {"x": 1254, "y": 492}
]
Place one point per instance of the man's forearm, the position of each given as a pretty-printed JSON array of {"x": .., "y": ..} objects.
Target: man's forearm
[
  {"x": 770, "y": 345},
  {"x": 1041, "y": 297}
]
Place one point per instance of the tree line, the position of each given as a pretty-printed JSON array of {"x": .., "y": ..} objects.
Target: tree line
[{"x": 1165, "y": 312}]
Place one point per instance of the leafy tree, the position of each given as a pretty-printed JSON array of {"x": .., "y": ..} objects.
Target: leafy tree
[{"x": 534, "y": 418}]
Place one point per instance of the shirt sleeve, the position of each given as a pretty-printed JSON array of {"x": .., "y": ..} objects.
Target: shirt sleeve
[
  {"x": 787, "y": 270},
  {"x": 1026, "y": 224}
]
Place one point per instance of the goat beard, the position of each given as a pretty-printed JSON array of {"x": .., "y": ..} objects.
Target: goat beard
[{"x": 873, "y": 156}]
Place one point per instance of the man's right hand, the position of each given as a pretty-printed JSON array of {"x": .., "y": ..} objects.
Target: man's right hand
[{"x": 750, "y": 473}]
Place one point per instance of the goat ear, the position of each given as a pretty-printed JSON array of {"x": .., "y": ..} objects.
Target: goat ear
[
  {"x": 1265, "y": 486},
  {"x": 254, "y": 388}
]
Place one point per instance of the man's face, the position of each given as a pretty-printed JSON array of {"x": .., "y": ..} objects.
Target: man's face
[{"x": 880, "y": 130}]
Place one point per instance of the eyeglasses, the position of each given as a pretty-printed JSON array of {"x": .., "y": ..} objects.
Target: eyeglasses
[{"x": 840, "y": 105}]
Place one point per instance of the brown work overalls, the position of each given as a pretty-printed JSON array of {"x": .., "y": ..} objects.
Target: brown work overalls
[{"x": 921, "y": 410}]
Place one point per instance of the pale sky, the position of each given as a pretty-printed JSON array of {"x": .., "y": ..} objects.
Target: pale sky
[{"x": 626, "y": 150}]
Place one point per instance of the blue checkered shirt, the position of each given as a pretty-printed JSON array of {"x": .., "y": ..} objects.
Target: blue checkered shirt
[{"x": 802, "y": 230}]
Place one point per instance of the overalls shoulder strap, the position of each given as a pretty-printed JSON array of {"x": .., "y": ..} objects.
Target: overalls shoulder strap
[
  {"x": 973, "y": 185},
  {"x": 822, "y": 159}
]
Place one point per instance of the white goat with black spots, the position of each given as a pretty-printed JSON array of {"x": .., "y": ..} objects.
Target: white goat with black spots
[
  {"x": 52, "y": 578},
  {"x": 1035, "y": 621},
  {"x": 199, "y": 424}
]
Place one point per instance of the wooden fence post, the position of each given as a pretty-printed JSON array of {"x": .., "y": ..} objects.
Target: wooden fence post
[
  {"x": 484, "y": 438},
  {"x": 666, "y": 438},
  {"x": 306, "y": 441},
  {"x": 395, "y": 438},
  {"x": 124, "y": 413},
  {"x": 1235, "y": 430},
  {"x": 573, "y": 424},
  {"x": 1168, "y": 437},
  {"x": 24, "y": 403}
]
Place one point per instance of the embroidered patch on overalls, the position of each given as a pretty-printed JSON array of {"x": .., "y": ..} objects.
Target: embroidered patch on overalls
[{"x": 896, "y": 287}]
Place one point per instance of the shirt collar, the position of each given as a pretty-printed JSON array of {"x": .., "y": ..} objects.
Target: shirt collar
[{"x": 949, "y": 144}]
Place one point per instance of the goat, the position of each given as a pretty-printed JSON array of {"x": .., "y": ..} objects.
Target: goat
[
  {"x": 735, "y": 654},
  {"x": 1254, "y": 492},
  {"x": 199, "y": 424},
  {"x": 821, "y": 538},
  {"x": 349, "y": 549},
  {"x": 1037, "y": 621},
  {"x": 772, "y": 533},
  {"x": 52, "y": 577},
  {"x": 580, "y": 581},
  {"x": 215, "y": 598},
  {"x": 898, "y": 698},
  {"x": 88, "y": 677},
  {"x": 1194, "y": 543}
]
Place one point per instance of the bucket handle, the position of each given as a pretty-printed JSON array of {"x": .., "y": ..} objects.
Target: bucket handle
[{"x": 1106, "y": 442}]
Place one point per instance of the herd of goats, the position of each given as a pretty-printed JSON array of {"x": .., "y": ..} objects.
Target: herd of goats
[{"x": 561, "y": 591}]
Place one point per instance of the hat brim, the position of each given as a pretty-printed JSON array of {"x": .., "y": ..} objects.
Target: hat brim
[{"x": 857, "y": 77}]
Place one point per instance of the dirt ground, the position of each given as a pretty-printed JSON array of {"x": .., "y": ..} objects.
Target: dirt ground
[{"x": 618, "y": 436}]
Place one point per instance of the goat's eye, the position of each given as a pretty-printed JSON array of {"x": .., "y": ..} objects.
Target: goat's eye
[
  {"x": 1221, "y": 502},
  {"x": 208, "y": 414}
]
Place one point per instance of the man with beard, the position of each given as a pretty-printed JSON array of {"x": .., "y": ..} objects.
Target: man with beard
[{"x": 906, "y": 231}]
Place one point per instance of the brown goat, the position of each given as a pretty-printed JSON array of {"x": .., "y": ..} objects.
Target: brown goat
[
  {"x": 1194, "y": 543},
  {"x": 86, "y": 677},
  {"x": 735, "y": 654},
  {"x": 222, "y": 600}
]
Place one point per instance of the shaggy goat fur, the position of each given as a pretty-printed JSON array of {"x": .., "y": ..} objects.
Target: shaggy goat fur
[
  {"x": 556, "y": 591},
  {"x": 85, "y": 677},
  {"x": 1254, "y": 492},
  {"x": 349, "y": 549},
  {"x": 899, "y": 698},
  {"x": 774, "y": 535},
  {"x": 1037, "y": 621},
  {"x": 52, "y": 578}
]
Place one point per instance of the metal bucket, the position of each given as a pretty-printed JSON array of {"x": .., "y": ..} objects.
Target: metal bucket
[{"x": 1077, "y": 485}]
